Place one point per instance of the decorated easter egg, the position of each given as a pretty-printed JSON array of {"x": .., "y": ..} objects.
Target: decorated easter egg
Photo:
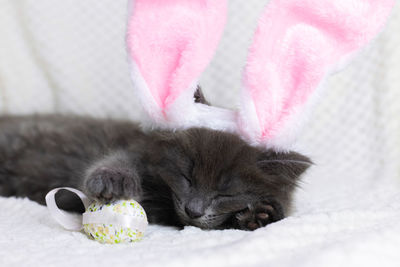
[{"x": 123, "y": 221}]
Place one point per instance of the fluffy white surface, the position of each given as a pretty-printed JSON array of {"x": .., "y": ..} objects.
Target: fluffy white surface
[
  {"x": 346, "y": 229},
  {"x": 70, "y": 57}
]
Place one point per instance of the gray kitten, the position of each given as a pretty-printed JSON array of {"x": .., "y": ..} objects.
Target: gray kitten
[{"x": 200, "y": 177}]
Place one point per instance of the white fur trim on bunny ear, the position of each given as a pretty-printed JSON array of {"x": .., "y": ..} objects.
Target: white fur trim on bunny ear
[
  {"x": 297, "y": 44},
  {"x": 170, "y": 43}
]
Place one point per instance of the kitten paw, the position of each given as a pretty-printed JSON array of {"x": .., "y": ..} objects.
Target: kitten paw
[
  {"x": 106, "y": 184},
  {"x": 258, "y": 215}
]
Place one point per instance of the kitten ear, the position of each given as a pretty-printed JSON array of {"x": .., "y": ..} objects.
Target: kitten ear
[
  {"x": 296, "y": 45},
  {"x": 284, "y": 164},
  {"x": 199, "y": 97}
]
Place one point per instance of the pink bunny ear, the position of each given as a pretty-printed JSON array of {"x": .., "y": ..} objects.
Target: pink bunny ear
[
  {"x": 297, "y": 43},
  {"x": 170, "y": 43}
]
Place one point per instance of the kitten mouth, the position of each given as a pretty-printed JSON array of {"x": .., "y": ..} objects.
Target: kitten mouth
[
  {"x": 208, "y": 221},
  {"x": 212, "y": 221}
]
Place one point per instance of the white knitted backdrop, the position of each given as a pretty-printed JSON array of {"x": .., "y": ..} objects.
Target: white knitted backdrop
[{"x": 69, "y": 56}]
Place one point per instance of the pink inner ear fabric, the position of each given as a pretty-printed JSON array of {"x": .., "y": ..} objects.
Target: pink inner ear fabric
[
  {"x": 172, "y": 41},
  {"x": 296, "y": 44}
]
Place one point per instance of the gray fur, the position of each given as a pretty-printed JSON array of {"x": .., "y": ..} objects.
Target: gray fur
[{"x": 199, "y": 177}]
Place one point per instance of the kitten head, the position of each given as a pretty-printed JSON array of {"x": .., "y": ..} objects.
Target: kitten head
[{"x": 214, "y": 175}]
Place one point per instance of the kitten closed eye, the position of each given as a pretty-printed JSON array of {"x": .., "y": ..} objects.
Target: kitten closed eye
[
  {"x": 189, "y": 182},
  {"x": 226, "y": 195}
]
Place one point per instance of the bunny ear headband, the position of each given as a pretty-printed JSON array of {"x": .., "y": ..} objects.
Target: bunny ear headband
[{"x": 296, "y": 45}]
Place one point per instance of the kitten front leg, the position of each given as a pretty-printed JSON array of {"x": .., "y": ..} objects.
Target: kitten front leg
[
  {"x": 258, "y": 214},
  {"x": 112, "y": 178}
]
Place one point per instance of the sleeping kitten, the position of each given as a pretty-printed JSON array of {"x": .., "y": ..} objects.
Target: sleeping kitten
[{"x": 200, "y": 177}]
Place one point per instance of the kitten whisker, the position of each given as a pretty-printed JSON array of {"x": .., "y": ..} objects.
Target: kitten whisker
[{"x": 286, "y": 161}]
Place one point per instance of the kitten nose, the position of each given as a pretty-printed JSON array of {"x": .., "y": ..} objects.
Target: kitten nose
[{"x": 195, "y": 208}]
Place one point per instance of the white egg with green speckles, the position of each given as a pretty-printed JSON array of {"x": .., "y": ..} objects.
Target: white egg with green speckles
[{"x": 123, "y": 221}]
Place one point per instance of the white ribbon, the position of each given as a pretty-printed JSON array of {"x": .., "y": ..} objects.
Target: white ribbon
[
  {"x": 65, "y": 219},
  {"x": 106, "y": 217},
  {"x": 76, "y": 222}
]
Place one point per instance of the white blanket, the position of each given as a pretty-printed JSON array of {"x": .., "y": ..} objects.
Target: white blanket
[
  {"x": 346, "y": 214},
  {"x": 358, "y": 228}
]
